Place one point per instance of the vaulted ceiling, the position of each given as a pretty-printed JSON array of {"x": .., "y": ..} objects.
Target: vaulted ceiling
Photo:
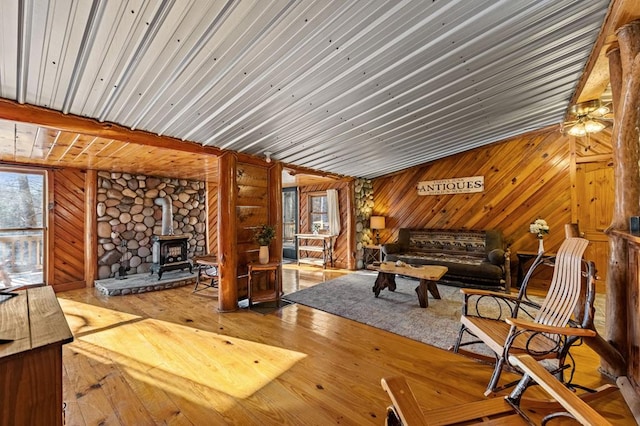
[{"x": 359, "y": 88}]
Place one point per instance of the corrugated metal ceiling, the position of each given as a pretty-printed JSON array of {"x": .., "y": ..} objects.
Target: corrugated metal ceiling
[{"x": 360, "y": 88}]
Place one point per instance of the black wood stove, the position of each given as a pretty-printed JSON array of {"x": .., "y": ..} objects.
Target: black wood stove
[{"x": 169, "y": 253}]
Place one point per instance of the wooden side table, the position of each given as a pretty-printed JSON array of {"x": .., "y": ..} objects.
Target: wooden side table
[
  {"x": 269, "y": 294},
  {"x": 372, "y": 253},
  {"x": 526, "y": 256}
]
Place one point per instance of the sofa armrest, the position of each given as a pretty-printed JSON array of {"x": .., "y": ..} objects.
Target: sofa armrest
[{"x": 496, "y": 257}]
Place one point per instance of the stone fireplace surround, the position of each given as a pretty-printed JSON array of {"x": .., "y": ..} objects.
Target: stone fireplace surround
[{"x": 128, "y": 219}]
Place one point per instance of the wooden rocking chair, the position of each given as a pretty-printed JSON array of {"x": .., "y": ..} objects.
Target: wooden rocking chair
[
  {"x": 544, "y": 331},
  {"x": 494, "y": 411}
]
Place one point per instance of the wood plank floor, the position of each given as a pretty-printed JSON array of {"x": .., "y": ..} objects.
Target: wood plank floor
[{"x": 168, "y": 357}]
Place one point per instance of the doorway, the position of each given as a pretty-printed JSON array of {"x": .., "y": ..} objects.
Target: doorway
[
  {"x": 289, "y": 222},
  {"x": 22, "y": 218},
  {"x": 594, "y": 193}
]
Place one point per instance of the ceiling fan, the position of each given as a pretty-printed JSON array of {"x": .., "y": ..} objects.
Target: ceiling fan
[{"x": 590, "y": 117}]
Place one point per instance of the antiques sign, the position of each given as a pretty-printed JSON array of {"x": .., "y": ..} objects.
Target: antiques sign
[{"x": 451, "y": 186}]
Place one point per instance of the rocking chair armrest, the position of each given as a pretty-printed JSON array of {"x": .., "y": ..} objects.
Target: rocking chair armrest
[
  {"x": 566, "y": 331},
  {"x": 569, "y": 400},
  {"x": 404, "y": 401},
  {"x": 475, "y": 292}
]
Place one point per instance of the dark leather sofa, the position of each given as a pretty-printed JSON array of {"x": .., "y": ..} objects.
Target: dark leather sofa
[{"x": 473, "y": 257}]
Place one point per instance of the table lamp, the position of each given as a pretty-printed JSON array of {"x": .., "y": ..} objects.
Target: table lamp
[{"x": 377, "y": 223}]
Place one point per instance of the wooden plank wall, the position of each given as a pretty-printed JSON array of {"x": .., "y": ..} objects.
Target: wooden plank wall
[
  {"x": 212, "y": 217},
  {"x": 525, "y": 178},
  {"x": 252, "y": 209},
  {"x": 594, "y": 145},
  {"x": 67, "y": 222},
  {"x": 344, "y": 254}
]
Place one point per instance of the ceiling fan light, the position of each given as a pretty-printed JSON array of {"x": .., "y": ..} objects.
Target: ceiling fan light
[
  {"x": 603, "y": 110},
  {"x": 577, "y": 130},
  {"x": 592, "y": 126}
]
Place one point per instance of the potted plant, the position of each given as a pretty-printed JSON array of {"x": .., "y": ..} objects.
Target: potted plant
[{"x": 263, "y": 236}]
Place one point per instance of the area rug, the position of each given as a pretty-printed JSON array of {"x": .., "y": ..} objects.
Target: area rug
[{"x": 351, "y": 297}]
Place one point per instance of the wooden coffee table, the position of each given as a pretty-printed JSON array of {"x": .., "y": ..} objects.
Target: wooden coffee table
[{"x": 427, "y": 274}]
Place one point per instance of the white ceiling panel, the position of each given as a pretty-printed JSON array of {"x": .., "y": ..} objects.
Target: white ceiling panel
[{"x": 360, "y": 87}]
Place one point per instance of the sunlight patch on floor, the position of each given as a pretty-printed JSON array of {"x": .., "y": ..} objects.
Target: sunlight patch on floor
[
  {"x": 83, "y": 318},
  {"x": 181, "y": 360}
]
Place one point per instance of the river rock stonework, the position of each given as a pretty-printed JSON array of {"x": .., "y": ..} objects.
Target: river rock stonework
[
  {"x": 363, "y": 209},
  {"x": 128, "y": 219}
]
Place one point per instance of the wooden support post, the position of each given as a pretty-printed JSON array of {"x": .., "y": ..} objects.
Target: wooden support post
[
  {"x": 90, "y": 228},
  {"x": 227, "y": 234},
  {"x": 624, "y": 66},
  {"x": 275, "y": 209}
]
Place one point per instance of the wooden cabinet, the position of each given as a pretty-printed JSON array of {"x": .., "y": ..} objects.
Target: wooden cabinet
[
  {"x": 315, "y": 243},
  {"x": 34, "y": 329}
]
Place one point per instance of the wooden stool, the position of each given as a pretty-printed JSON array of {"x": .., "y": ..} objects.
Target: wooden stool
[{"x": 270, "y": 294}]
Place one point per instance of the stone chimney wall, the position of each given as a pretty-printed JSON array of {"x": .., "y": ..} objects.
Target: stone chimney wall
[{"x": 128, "y": 218}]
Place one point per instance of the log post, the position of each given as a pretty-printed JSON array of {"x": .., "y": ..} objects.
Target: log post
[
  {"x": 275, "y": 208},
  {"x": 90, "y": 228},
  {"x": 624, "y": 66},
  {"x": 227, "y": 234}
]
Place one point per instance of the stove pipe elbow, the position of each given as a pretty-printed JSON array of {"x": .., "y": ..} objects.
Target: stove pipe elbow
[{"x": 167, "y": 214}]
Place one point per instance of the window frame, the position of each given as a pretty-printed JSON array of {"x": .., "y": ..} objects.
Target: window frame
[
  {"x": 311, "y": 212},
  {"x": 41, "y": 253}
]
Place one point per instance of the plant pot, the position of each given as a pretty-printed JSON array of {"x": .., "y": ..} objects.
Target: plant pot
[{"x": 263, "y": 256}]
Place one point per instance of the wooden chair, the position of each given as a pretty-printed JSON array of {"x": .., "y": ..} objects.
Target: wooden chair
[
  {"x": 494, "y": 411},
  {"x": 206, "y": 272},
  {"x": 544, "y": 331}
]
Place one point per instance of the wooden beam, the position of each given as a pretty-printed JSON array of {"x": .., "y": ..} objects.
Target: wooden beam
[
  {"x": 13, "y": 111},
  {"x": 595, "y": 76},
  {"x": 594, "y": 158},
  {"x": 51, "y": 119}
]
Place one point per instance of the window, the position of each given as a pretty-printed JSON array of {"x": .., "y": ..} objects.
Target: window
[
  {"x": 318, "y": 212},
  {"x": 21, "y": 226}
]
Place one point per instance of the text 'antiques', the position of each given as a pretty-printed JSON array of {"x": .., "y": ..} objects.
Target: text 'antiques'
[{"x": 451, "y": 186}]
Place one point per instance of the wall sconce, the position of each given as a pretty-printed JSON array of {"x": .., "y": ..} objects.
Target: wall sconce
[{"x": 377, "y": 223}]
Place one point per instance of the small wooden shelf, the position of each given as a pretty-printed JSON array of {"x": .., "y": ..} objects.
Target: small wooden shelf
[
  {"x": 272, "y": 292},
  {"x": 311, "y": 248}
]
